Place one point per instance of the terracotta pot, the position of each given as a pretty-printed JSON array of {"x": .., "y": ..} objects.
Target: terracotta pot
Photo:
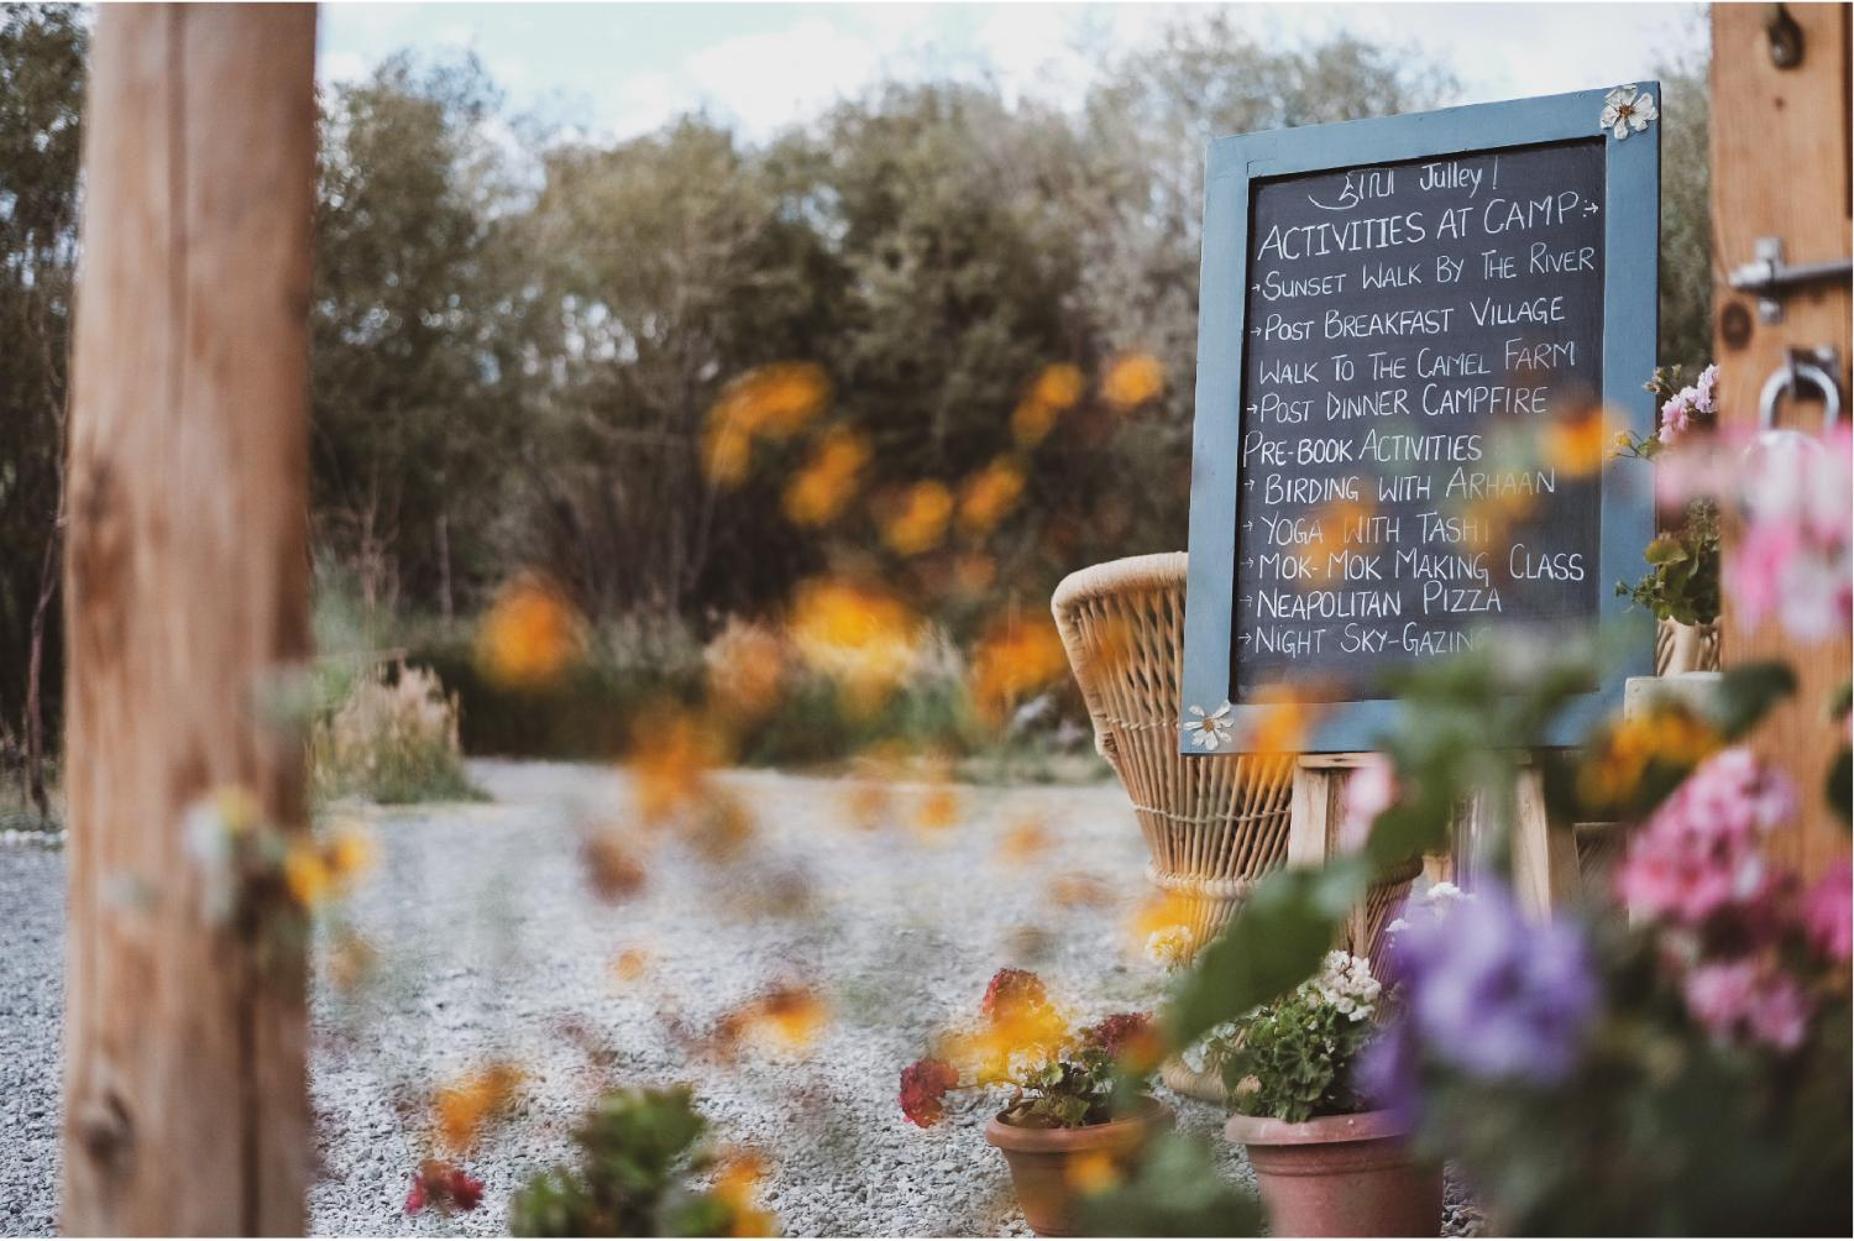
[
  {"x": 1340, "y": 1176},
  {"x": 1049, "y": 1167}
]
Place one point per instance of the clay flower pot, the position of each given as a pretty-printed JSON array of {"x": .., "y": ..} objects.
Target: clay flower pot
[
  {"x": 1050, "y": 1167},
  {"x": 1340, "y": 1176}
]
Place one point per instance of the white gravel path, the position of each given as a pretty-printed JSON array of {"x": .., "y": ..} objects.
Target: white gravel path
[{"x": 493, "y": 946}]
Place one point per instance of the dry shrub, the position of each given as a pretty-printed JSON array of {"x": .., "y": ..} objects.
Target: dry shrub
[{"x": 393, "y": 739}]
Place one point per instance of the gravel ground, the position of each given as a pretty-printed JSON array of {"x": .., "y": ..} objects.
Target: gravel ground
[{"x": 493, "y": 946}]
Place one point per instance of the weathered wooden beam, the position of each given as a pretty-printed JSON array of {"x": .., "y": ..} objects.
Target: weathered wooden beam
[
  {"x": 1780, "y": 142},
  {"x": 186, "y": 584}
]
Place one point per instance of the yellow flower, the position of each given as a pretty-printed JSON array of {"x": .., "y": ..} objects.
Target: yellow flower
[
  {"x": 861, "y": 636},
  {"x": 917, "y": 521},
  {"x": 306, "y": 874},
  {"x": 462, "y": 1109},
  {"x": 1015, "y": 657},
  {"x": 1054, "y": 391},
  {"x": 1023, "y": 842},
  {"x": 737, "y": 1187},
  {"x": 530, "y": 635},
  {"x": 937, "y": 809},
  {"x": 1574, "y": 442},
  {"x": 629, "y": 965},
  {"x": 771, "y": 402},
  {"x": 1091, "y": 1172},
  {"x": 1282, "y": 726},
  {"x": 988, "y": 496},
  {"x": 819, "y": 493},
  {"x": 351, "y": 852},
  {"x": 1163, "y": 928},
  {"x": 672, "y": 751},
  {"x": 1132, "y": 379},
  {"x": 792, "y": 1017}
]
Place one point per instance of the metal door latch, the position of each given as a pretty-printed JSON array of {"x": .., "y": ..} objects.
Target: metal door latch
[
  {"x": 1769, "y": 278},
  {"x": 1817, "y": 368}
]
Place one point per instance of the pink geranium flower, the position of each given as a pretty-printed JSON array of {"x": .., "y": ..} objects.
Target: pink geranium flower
[
  {"x": 1700, "y": 854},
  {"x": 1828, "y": 913},
  {"x": 1747, "y": 1000}
]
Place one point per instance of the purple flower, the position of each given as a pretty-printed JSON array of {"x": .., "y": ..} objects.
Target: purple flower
[{"x": 1492, "y": 995}]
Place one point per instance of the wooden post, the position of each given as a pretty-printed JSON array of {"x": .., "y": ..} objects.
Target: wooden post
[
  {"x": 186, "y": 587},
  {"x": 1780, "y": 140}
]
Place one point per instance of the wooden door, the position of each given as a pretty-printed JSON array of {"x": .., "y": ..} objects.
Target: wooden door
[{"x": 1780, "y": 169}]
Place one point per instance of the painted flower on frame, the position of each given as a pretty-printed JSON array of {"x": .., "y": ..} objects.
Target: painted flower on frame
[
  {"x": 1209, "y": 730},
  {"x": 1626, "y": 110}
]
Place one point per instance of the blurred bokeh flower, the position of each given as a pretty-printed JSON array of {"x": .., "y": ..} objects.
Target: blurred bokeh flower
[
  {"x": 1056, "y": 389},
  {"x": 820, "y": 492},
  {"x": 988, "y": 496},
  {"x": 530, "y": 635},
  {"x": 1131, "y": 380},
  {"x": 1015, "y": 656},
  {"x": 915, "y": 520}
]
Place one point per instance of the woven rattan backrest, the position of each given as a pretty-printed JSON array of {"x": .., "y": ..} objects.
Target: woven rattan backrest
[{"x": 1215, "y": 816}]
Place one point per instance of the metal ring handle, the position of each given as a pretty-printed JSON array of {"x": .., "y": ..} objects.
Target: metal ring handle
[{"x": 1787, "y": 379}]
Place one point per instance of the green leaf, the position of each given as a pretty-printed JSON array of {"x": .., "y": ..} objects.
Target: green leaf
[
  {"x": 1664, "y": 549},
  {"x": 1841, "y": 785},
  {"x": 1747, "y": 693},
  {"x": 1275, "y": 942},
  {"x": 1175, "y": 1192}
]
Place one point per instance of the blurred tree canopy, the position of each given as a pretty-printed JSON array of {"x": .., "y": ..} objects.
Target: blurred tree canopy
[{"x": 523, "y": 342}]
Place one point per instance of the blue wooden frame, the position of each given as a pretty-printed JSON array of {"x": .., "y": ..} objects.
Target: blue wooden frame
[{"x": 1632, "y": 200}]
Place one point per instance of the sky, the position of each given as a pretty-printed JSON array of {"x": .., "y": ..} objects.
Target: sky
[{"x": 619, "y": 70}]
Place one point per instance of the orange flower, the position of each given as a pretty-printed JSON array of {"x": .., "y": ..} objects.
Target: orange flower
[
  {"x": 1023, "y": 842},
  {"x": 1055, "y": 390},
  {"x": 788, "y": 1017},
  {"x": 819, "y": 493},
  {"x": 937, "y": 808},
  {"x": 461, "y": 1110},
  {"x": 917, "y": 521},
  {"x": 1015, "y": 657},
  {"x": 1091, "y": 1172},
  {"x": 861, "y": 636},
  {"x": 1132, "y": 379},
  {"x": 988, "y": 496},
  {"x": 1282, "y": 726},
  {"x": 530, "y": 635},
  {"x": 771, "y": 402},
  {"x": 671, "y": 753},
  {"x": 737, "y": 1187},
  {"x": 629, "y": 965},
  {"x": 1574, "y": 443},
  {"x": 306, "y": 874}
]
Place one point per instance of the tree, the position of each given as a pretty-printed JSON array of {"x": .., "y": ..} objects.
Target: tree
[
  {"x": 1686, "y": 215},
  {"x": 416, "y": 368},
  {"x": 42, "y": 54}
]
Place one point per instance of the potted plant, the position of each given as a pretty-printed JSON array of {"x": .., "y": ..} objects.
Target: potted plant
[
  {"x": 1327, "y": 1163},
  {"x": 1078, "y": 1115},
  {"x": 1681, "y": 586}
]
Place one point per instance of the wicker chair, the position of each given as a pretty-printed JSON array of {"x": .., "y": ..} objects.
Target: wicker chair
[{"x": 1213, "y": 823}]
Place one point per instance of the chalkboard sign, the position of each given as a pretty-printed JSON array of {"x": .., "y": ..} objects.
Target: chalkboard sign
[{"x": 1389, "y": 309}]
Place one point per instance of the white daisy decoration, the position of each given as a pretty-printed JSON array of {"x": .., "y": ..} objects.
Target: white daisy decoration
[
  {"x": 1627, "y": 110},
  {"x": 1210, "y": 730}
]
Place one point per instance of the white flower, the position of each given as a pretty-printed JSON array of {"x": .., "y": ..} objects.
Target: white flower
[
  {"x": 1627, "y": 110},
  {"x": 1210, "y": 731},
  {"x": 1169, "y": 947}
]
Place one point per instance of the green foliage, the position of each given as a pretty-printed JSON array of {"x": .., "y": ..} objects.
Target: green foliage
[
  {"x": 1682, "y": 582},
  {"x": 1292, "y": 1059},
  {"x": 637, "y": 1151},
  {"x": 1176, "y": 1191},
  {"x": 1066, "y": 1093},
  {"x": 1686, "y": 209}
]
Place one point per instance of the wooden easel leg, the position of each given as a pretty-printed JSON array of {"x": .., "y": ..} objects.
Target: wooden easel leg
[{"x": 1544, "y": 857}]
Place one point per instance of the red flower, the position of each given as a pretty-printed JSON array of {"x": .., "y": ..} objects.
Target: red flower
[
  {"x": 1011, "y": 992},
  {"x": 1127, "y": 1037},
  {"x": 923, "y": 1089},
  {"x": 445, "y": 1186}
]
